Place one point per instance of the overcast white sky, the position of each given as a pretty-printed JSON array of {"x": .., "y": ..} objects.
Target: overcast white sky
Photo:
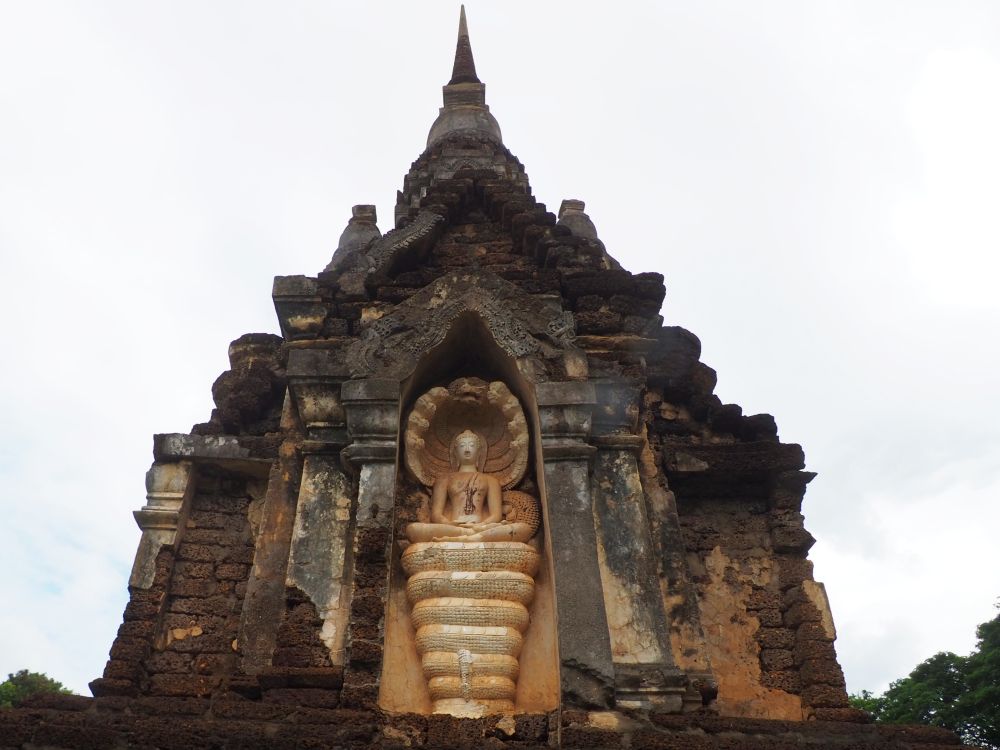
[{"x": 819, "y": 183}]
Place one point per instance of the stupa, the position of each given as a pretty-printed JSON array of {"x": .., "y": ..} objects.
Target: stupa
[{"x": 476, "y": 493}]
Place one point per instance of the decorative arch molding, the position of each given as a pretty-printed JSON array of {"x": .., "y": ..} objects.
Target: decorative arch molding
[{"x": 538, "y": 335}]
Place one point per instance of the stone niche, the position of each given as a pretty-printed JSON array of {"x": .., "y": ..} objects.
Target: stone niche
[{"x": 467, "y": 632}]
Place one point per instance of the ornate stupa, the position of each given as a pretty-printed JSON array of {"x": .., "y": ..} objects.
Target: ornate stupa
[{"x": 476, "y": 492}]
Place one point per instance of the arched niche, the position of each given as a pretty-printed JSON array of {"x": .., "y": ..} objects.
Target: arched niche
[
  {"x": 533, "y": 334},
  {"x": 468, "y": 349}
]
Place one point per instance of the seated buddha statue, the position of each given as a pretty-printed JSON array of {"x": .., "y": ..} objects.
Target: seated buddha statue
[{"x": 466, "y": 504}]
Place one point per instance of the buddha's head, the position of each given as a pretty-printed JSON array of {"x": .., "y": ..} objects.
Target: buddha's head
[{"x": 468, "y": 448}]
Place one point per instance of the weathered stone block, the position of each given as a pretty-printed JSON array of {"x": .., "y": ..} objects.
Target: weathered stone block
[
  {"x": 653, "y": 740},
  {"x": 531, "y": 727},
  {"x": 186, "y": 622},
  {"x": 365, "y": 652},
  {"x": 793, "y": 570},
  {"x": 449, "y": 731},
  {"x": 213, "y": 664},
  {"x": 791, "y": 539},
  {"x": 232, "y": 571},
  {"x": 605, "y": 283},
  {"x": 300, "y": 656},
  {"x": 367, "y": 607},
  {"x": 242, "y": 554},
  {"x": 649, "y": 286},
  {"x": 169, "y": 661},
  {"x": 319, "y": 698},
  {"x": 801, "y": 612},
  {"x": 853, "y": 715},
  {"x": 200, "y": 552},
  {"x": 108, "y": 687},
  {"x": 786, "y": 680},
  {"x": 219, "y": 522},
  {"x": 199, "y": 570},
  {"x": 598, "y": 322},
  {"x": 137, "y": 629},
  {"x": 96, "y": 738},
  {"x": 812, "y": 631},
  {"x": 781, "y": 638},
  {"x": 824, "y": 696},
  {"x": 360, "y": 695},
  {"x": 371, "y": 543},
  {"x": 821, "y": 671},
  {"x": 584, "y": 736},
  {"x": 182, "y": 685},
  {"x": 252, "y": 710},
  {"x": 216, "y": 605},
  {"x": 181, "y": 586},
  {"x": 762, "y": 599},
  {"x": 140, "y": 611},
  {"x": 152, "y": 596},
  {"x": 768, "y": 618},
  {"x": 208, "y": 643},
  {"x": 117, "y": 669},
  {"x": 129, "y": 649},
  {"x": 366, "y": 630},
  {"x": 774, "y": 660}
]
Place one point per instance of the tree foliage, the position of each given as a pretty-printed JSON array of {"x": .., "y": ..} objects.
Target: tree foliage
[
  {"x": 868, "y": 701},
  {"x": 24, "y": 684},
  {"x": 982, "y": 675},
  {"x": 961, "y": 693}
]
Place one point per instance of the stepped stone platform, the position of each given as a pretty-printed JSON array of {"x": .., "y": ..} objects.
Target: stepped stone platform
[{"x": 292, "y": 718}]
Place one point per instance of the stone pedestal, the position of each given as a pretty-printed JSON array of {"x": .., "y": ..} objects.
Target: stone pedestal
[{"x": 470, "y": 610}]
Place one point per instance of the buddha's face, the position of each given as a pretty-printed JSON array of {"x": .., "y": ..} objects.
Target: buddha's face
[{"x": 466, "y": 449}]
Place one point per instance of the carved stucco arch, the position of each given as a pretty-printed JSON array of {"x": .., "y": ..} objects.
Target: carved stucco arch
[{"x": 536, "y": 333}]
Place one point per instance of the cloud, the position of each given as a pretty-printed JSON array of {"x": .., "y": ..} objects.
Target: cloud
[
  {"x": 923, "y": 570},
  {"x": 949, "y": 224}
]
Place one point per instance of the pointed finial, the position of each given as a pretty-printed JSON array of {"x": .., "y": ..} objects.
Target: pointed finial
[
  {"x": 464, "y": 70},
  {"x": 463, "y": 25}
]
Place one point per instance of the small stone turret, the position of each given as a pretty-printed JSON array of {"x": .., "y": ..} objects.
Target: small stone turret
[
  {"x": 360, "y": 231},
  {"x": 572, "y": 217}
]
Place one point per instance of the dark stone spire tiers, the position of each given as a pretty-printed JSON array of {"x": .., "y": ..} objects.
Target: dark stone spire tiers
[
  {"x": 464, "y": 109},
  {"x": 464, "y": 70}
]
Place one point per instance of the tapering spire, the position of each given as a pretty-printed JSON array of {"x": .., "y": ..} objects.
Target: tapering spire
[
  {"x": 464, "y": 107},
  {"x": 464, "y": 70}
]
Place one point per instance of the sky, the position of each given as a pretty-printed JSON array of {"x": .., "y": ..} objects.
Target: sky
[{"x": 818, "y": 182}]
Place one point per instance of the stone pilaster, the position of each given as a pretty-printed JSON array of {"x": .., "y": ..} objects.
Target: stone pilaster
[
  {"x": 372, "y": 411},
  {"x": 317, "y": 561},
  {"x": 264, "y": 602},
  {"x": 586, "y": 669},
  {"x": 645, "y": 673},
  {"x": 169, "y": 488}
]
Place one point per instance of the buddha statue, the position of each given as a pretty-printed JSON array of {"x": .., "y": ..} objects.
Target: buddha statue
[
  {"x": 466, "y": 504},
  {"x": 470, "y": 569}
]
